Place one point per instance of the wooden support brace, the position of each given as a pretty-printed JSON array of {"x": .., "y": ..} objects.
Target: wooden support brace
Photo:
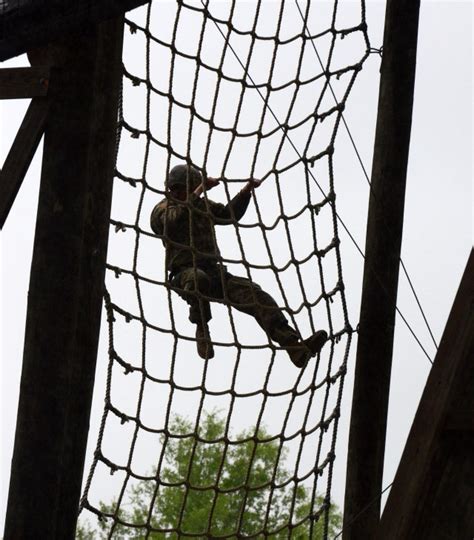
[
  {"x": 26, "y": 82},
  {"x": 433, "y": 492},
  {"x": 21, "y": 153}
]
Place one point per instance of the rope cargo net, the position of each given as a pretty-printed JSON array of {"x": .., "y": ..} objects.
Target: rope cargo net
[{"x": 239, "y": 90}]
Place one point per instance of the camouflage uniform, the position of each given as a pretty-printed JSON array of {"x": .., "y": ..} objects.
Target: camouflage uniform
[{"x": 194, "y": 263}]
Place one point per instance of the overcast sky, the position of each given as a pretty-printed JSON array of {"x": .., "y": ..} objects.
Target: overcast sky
[{"x": 437, "y": 230}]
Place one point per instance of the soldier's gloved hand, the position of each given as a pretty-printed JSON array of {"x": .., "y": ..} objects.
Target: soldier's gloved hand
[
  {"x": 251, "y": 185},
  {"x": 206, "y": 184},
  {"x": 209, "y": 183}
]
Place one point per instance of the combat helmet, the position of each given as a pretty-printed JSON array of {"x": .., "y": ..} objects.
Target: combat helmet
[{"x": 182, "y": 174}]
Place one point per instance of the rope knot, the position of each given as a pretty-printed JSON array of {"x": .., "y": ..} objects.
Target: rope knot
[{"x": 374, "y": 50}]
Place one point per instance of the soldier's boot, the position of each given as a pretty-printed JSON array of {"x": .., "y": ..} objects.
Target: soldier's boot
[
  {"x": 203, "y": 341},
  {"x": 301, "y": 352}
]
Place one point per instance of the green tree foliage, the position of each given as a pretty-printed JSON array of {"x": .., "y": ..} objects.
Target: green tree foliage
[{"x": 243, "y": 474}]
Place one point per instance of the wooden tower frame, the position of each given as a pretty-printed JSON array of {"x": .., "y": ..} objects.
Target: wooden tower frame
[{"x": 74, "y": 85}]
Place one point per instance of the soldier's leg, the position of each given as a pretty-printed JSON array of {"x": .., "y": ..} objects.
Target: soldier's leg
[
  {"x": 249, "y": 298},
  {"x": 189, "y": 283}
]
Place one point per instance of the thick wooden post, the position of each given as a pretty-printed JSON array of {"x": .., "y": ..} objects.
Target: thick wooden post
[
  {"x": 66, "y": 285},
  {"x": 379, "y": 294}
]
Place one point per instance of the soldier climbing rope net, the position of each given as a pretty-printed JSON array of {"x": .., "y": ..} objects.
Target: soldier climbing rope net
[{"x": 237, "y": 90}]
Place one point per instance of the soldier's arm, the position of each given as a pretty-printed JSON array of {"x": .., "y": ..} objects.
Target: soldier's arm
[
  {"x": 155, "y": 219},
  {"x": 237, "y": 207}
]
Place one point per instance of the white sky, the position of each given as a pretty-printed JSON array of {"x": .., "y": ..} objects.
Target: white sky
[{"x": 437, "y": 231}]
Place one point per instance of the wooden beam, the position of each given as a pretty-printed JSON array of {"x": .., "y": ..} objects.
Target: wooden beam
[
  {"x": 26, "y": 82},
  {"x": 380, "y": 283},
  {"x": 66, "y": 287},
  {"x": 21, "y": 153},
  {"x": 28, "y": 24},
  {"x": 433, "y": 492}
]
